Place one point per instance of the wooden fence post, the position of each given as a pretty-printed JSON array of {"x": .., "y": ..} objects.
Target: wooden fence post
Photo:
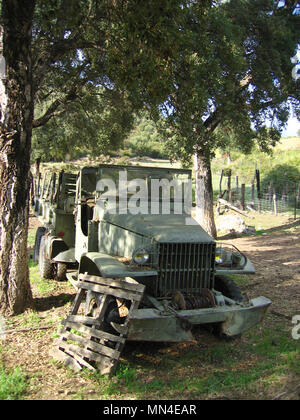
[
  {"x": 243, "y": 196},
  {"x": 257, "y": 177},
  {"x": 229, "y": 196},
  {"x": 252, "y": 192},
  {"x": 220, "y": 184},
  {"x": 275, "y": 203},
  {"x": 295, "y": 201}
]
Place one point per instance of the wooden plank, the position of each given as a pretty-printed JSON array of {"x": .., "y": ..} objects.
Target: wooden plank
[
  {"x": 92, "y": 332},
  {"x": 232, "y": 207},
  {"x": 106, "y": 365},
  {"x": 81, "y": 352},
  {"x": 103, "y": 306},
  {"x": 106, "y": 290},
  {"x": 78, "y": 299},
  {"x": 92, "y": 345},
  {"x": 132, "y": 308},
  {"x": 83, "y": 319},
  {"x": 122, "y": 284},
  {"x": 67, "y": 360},
  {"x": 72, "y": 352}
]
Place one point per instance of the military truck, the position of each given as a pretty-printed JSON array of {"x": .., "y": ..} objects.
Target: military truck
[
  {"x": 53, "y": 205},
  {"x": 147, "y": 271}
]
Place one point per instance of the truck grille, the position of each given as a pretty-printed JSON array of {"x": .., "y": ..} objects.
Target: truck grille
[{"x": 187, "y": 267}]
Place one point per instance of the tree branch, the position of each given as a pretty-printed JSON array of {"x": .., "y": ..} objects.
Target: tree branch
[
  {"x": 291, "y": 5},
  {"x": 53, "y": 53},
  {"x": 53, "y": 110}
]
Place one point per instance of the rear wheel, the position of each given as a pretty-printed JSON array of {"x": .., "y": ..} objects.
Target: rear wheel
[
  {"x": 61, "y": 271},
  {"x": 45, "y": 266},
  {"x": 37, "y": 243}
]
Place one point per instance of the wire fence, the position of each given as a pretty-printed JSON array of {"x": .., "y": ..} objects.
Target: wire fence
[{"x": 275, "y": 196}]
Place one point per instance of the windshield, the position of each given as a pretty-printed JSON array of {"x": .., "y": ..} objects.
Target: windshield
[{"x": 149, "y": 183}]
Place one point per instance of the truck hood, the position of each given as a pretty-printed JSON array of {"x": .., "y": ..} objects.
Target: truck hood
[{"x": 162, "y": 228}]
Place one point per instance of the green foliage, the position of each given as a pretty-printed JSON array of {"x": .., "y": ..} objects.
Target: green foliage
[
  {"x": 13, "y": 384},
  {"x": 94, "y": 62},
  {"x": 45, "y": 287},
  {"x": 95, "y": 123},
  {"x": 281, "y": 176},
  {"x": 280, "y": 167},
  {"x": 234, "y": 75},
  {"x": 144, "y": 140},
  {"x": 224, "y": 72}
]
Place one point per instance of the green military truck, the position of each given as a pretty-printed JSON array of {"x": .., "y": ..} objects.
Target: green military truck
[
  {"x": 146, "y": 270},
  {"x": 53, "y": 205}
]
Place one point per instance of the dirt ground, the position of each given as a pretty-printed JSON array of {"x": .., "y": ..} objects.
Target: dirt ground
[
  {"x": 275, "y": 254},
  {"x": 276, "y": 257}
]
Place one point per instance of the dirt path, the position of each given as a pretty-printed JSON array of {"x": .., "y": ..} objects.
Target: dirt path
[{"x": 276, "y": 257}]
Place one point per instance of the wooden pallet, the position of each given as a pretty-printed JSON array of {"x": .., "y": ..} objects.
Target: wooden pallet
[{"x": 83, "y": 342}]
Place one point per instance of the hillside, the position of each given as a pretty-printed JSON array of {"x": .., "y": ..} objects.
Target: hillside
[{"x": 284, "y": 162}]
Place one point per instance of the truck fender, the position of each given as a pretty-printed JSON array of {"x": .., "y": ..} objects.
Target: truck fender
[
  {"x": 54, "y": 246},
  {"x": 247, "y": 269},
  {"x": 96, "y": 263},
  {"x": 67, "y": 256}
]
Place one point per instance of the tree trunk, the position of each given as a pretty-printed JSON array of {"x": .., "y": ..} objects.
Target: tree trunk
[
  {"x": 204, "y": 194},
  {"x": 15, "y": 147}
]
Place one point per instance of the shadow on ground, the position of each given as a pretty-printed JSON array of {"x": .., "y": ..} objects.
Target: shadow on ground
[{"x": 49, "y": 302}]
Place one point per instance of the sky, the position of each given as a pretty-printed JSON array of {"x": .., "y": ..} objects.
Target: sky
[{"x": 292, "y": 128}]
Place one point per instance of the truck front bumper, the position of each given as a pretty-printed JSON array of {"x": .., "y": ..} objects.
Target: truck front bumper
[{"x": 154, "y": 325}]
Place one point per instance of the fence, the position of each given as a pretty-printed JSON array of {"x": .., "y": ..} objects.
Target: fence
[{"x": 274, "y": 196}]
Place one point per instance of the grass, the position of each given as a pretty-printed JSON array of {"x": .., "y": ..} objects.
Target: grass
[
  {"x": 45, "y": 287},
  {"x": 13, "y": 384},
  {"x": 238, "y": 370}
]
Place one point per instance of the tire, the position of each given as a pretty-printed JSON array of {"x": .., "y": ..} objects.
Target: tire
[
  {"x": 38, "y": 236},
  {"x": 228, "y": 288},
  {"x": 45, "y": 266},
  {"x": 61, "y": 272},
  {"x": 92, "y": 302}
]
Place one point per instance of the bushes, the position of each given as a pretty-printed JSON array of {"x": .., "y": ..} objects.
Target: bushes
[
  {"x": 144, "y": 140},
  {"x": 281, "y": 176}
]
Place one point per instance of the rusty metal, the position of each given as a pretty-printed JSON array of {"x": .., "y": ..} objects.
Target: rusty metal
[{"x": 204, "y": 299}]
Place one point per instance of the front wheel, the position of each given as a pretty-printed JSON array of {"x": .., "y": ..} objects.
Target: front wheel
[{"x": 230, "y": 289}]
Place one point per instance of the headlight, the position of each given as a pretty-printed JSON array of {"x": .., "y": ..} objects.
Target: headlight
[
  {"x": 219, "y": 259},
  {"x": 230, "y": 256},
  {"x": 141, "y": 256}
]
